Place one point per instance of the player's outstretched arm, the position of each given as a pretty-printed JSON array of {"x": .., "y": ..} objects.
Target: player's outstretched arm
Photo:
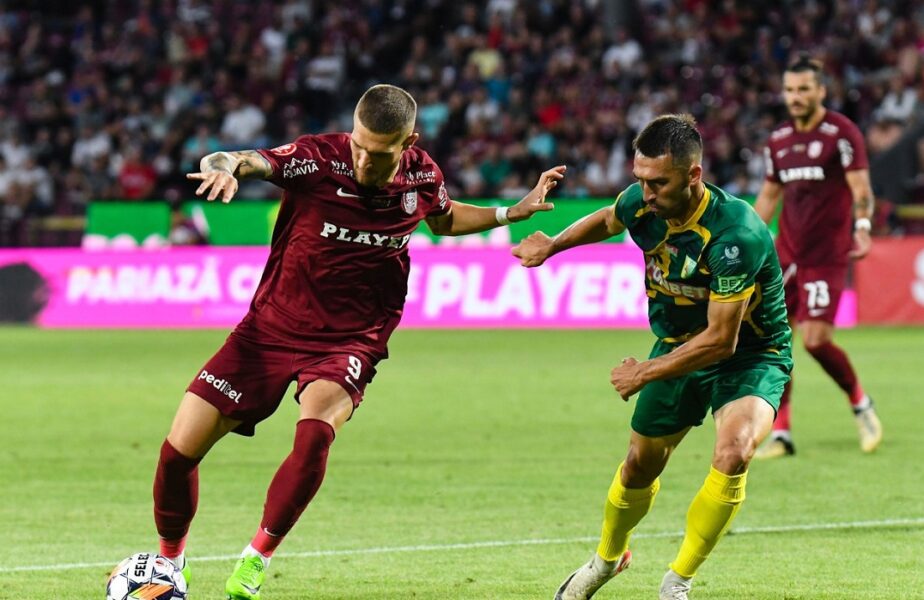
[
  {"x": 219, "y": 172},
  {"x": 536, "y": 248},
  {"x": 466, "y": 218}
]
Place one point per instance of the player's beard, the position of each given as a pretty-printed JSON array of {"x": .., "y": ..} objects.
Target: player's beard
[{"x": 808, "y": 112}]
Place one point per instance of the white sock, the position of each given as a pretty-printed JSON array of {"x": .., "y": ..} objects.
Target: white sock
[
  {"x": 179, "y": 561},
  {"x": 251, "y": 551},
  {"x": 863, "y": 404},
  {"x": 782, "y": 434}
]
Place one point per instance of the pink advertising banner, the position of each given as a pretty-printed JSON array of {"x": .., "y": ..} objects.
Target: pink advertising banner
[{"x": 590, "y": 287}]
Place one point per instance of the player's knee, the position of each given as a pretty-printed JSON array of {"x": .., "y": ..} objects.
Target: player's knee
[
  {"x": 313, "y": 439},
  {"x": 814, "y": 344},
  {"x": 733, "y": 456}
]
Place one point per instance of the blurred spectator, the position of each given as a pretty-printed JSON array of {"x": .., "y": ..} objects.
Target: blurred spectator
[
  {"x": 192, "y": 230},
  {"x": 112, "y": 97},
  {"x": 899, "y": 103},
  {"x": 243, "y": 124},
  {"x": 136, "y": 178}
]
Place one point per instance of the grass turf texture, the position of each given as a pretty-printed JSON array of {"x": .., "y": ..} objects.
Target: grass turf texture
[{"x": 464, "y": 437}]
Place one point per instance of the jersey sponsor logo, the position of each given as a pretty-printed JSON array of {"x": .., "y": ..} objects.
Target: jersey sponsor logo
[
  {"x": 656, "y": 277},
  {"x": 298, "y": 167},
  {"x": 781, "y": 133},
  {"x": 221, "y": 385},
  {"x": 802, "y": 174},
  {"x": 341, "y": 168},
  {"x": 421, "y": 176},
  {"x": 284, "y": 150},
  {"x": 814, "y": 149},
  {"x": 366, "y": 238},
  {"x": 409, "y": 202},
  {"x": 730, "y": 284},
  {"x": 846, "y": 149},
  {"x": 829, "y": 129}
]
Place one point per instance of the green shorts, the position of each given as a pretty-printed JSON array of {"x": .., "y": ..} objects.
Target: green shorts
[{"x": 669, "y": 406}]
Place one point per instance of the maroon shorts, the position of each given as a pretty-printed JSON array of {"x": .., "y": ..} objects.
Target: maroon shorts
[
  {"x": 813, "y": 293},
  {"x": 246, "y": 381}
]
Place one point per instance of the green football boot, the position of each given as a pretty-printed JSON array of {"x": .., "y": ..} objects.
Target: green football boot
[
  {"x": 187, "y": 573},
  {"x": 245, "y": 582}
]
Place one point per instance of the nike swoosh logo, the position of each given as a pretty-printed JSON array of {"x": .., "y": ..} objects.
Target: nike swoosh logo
[
  {"x": 250, "y": 590},
  {"x": 343, "y": 194}
]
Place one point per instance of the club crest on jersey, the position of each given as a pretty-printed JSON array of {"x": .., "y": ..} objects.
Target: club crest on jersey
[
  {"x": 814, "y": 149},
  {"x": 409, "y": 202},
  {"x": 284, "y": 150}
]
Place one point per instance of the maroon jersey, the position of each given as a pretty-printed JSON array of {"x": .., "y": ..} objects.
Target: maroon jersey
[
  {"x": 817, "y": 219},
  {"x": 338, "y": 266}
]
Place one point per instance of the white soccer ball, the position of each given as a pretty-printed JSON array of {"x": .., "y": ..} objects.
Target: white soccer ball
[{"x": 146, "y": 576}]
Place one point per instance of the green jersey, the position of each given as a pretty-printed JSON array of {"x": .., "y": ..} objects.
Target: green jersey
[{"x": 724, "y": 253}]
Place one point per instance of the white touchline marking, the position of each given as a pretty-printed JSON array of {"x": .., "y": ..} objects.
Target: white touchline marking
[{"x": 501, "y": 543}]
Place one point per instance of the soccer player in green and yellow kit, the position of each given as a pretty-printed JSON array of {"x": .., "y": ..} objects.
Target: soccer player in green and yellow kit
[{"x": 715, "y": 302}]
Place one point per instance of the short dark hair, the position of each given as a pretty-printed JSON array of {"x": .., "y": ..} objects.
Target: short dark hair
[
  {"x": 386, "y": 109},
  {"x": 804, "y": 63},
  {"x": 670, "y": 134}
]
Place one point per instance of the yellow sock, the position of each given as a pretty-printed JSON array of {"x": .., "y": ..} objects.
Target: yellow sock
[
  {"x": 624, "y": 508},
  {"x": 709, "y": 516}
]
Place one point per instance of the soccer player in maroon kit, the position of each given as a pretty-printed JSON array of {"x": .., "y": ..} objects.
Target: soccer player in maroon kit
[
  {"x": 331, "y": 294},
  {"x": 817, "y": 163}
]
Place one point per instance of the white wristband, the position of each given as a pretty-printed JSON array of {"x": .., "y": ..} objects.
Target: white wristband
[
  {"x": 501, "y": 215},
  {"x": 862, "y": 224}
]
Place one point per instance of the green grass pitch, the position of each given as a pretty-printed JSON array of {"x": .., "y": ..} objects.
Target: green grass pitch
[{"x": 475, "y": 469}]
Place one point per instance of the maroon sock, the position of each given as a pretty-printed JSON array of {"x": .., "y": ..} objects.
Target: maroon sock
[
  {"x": 782, "y": 415},
  {"x": 836, "y": 364},
  {"x": 176, "y": 493},
  {"x": 294, "y": 484}
]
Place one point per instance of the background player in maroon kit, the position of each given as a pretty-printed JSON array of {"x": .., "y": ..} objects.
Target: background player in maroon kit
[
  {"x": 817, "y": 163},
  {"x": 331, "y": 294}
]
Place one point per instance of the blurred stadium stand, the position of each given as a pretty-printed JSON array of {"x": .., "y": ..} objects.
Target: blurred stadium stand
[{"x": 117, "y": 99}]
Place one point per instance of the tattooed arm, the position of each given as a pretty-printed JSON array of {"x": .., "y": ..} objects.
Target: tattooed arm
[{"x": 221, "y": 171}]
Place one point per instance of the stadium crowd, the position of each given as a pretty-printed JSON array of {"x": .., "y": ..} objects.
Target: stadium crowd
[{"x": 118, "y": 99}]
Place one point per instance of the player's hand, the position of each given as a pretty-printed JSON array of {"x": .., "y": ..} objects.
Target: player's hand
[
  {"x": 534, "y": 201},
  {"x": 626, "y": 378},
  {"x": 218, "y": 184},
  {"x": 534, "y": 249},
  {"x": 862, "y": 242}
]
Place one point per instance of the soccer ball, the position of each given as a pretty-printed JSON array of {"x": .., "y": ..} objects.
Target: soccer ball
[{"x": 146, "y": 576}]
